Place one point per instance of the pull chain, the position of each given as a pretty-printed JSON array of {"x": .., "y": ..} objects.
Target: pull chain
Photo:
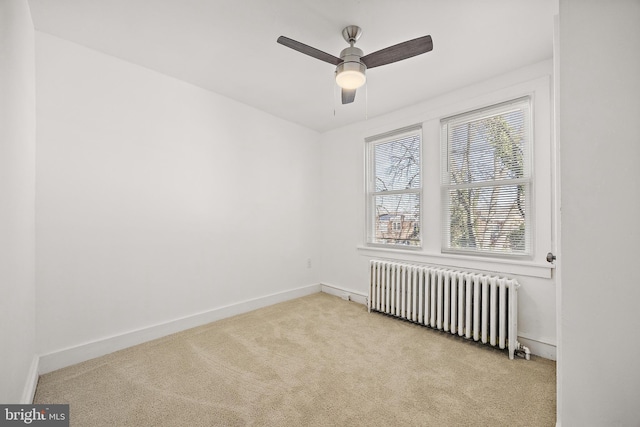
[{"x": 334, "y": 98}]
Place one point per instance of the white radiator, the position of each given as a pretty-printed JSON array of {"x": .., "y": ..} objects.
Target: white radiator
[{"x": 471, "y": 305}]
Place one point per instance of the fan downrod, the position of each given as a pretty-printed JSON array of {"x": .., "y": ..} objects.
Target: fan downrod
[{"x": 351, "y": 34}]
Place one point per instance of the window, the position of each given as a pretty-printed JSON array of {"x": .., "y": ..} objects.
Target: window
[
  {"x": 394, "y": 186},
  {"x": 486, "y": 180}
]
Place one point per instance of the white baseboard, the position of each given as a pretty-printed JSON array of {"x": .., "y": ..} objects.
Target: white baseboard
[
  {"x": 32, "y": 382},
  {"x": 539, "y": 348},
  {"x": 341, "y": 292},
  {"x": 80, "y": 353}
]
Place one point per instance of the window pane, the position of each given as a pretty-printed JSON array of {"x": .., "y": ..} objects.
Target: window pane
[
  {"x": 397, "y": 219},
  {"x": 488, "y": 218},
  {"x": 397, "y": 164},
  {"x": 487, "y": 149},
  {"x": 487, "y": 179},
  {"x": 394, "y": 187}
]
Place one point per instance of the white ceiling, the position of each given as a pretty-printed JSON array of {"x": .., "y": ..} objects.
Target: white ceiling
[{"x": 229, "y": 46}]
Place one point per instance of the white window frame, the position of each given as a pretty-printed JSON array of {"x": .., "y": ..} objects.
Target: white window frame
[
  {"x": 525, "y": 103},
  {"x": 371, "y": 192}
]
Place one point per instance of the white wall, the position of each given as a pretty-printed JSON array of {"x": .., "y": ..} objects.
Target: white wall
[
  {"x": 598, "y": 374},
  {"x": 344, "y": 256},
  {"x": 17, "y": 188},
  {"x": 157, "y": 200}
]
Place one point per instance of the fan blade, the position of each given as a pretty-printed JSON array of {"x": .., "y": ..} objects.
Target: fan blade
[
  {"x": 308, "y": 50},
  {"x": 348, "y": 96},
  {"x": 398, "y": 52}
]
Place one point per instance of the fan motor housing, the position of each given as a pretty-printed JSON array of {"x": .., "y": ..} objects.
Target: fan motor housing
[
  {"x": 351, "y": 57},
  {"x": 351, "y": 54}
]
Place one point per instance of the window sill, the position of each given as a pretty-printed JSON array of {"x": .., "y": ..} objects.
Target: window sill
[{"x": 492, "y": 265}]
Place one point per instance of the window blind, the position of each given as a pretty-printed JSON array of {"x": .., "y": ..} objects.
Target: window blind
[
  {"x": 486, "y": 180},
  {"x": 394, "y": 187}
]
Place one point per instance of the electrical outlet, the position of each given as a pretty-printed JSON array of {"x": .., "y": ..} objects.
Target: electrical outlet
[{"x": 308, "y": 262}]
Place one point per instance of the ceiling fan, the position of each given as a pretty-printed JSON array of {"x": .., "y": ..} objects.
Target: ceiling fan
[{"x": 351, "y": 66}]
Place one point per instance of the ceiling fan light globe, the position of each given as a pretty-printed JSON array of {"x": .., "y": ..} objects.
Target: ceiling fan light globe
[
  {"x": 350, "y": 79},
  {"x": 350, "y": 75}
]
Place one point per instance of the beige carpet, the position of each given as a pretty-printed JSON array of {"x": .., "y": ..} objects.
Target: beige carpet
[{"x": 313, "y": 361}]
